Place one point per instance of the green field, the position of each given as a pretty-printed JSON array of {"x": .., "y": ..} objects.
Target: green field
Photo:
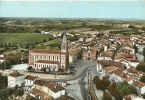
[
  {"x": 53, "y": 44},
  {"x": 23, "y": 38}
]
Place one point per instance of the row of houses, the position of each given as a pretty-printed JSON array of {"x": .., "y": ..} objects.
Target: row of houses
[
  {"x": 38, "y": 88},
  {"x": 119, "y": 62}
]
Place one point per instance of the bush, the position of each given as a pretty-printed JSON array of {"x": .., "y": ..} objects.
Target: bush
[
  {"x": 125, "y": 89},
  {"x": 101, "y": 84},
  {"x": 106, "y": 96},
  {"x": 142, "y": 79}
]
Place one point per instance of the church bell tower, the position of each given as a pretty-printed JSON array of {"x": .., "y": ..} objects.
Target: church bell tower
[{"x": 64, "y": 47}]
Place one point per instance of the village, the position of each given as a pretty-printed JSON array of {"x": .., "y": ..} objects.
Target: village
[{"x": 93, "y": 56}]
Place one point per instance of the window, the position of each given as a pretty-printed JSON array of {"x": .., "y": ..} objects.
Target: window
[
  {"x": 57, "y": 58},
  {"x": 53, "y": 57},
  {"x": 89, "y": 54},
  {"x": 40, "y": 57}
]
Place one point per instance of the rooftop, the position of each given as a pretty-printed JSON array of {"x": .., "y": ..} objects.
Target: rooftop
[
  {"x": 46, "y": 51},
  {"x": 29, "y": 77},
  {"x": 139, "y": 84},
  {"x": 15, "y": 74},
  {"x": 51, "y": 85},
  {"x": 44, "y": 95}
]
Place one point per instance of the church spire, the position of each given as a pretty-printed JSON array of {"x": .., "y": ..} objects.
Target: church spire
[
  {"x": 64, "y": 46},
  {"x": 64, "y": 39}
]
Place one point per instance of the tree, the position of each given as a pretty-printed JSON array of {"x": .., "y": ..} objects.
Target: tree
[
  {"x": 101, "y": 84},
  {"x": 125, "y": 89},
  {"x": 106, "y": 96},
  {"x": 143, "y": 28},
  {"x": 136, "y": 49},
  {"x": 44, "y": 40},
  {"x": 19, "y": 92},
  {"x": 114, "y": 92},
  {"x": 141, "y": 67},
  {"x": 142, "y": 79},
  {"x": 29, "y": 68}
]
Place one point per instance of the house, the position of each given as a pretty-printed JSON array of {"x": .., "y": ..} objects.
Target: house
[
  {"x": 55, "y": 34},
  {"x": 2, "y": 58},
  {"x": 15, "y": 78},
  {"x": 48, "y": 88},
  {"x": 127, "y": 57},
  {"x": 107, "y": 63},
  {"x": 51, "y": 60},
  {"x": 132, "y": 97},
  {"x": 140, "y": 86},
  {"x": 107, "y": 55},
  {"x": 115, "y": 73},
  {"x": 28, "y": 82},
  {"x": 125, "y": 25},
  {"x": 82, "y": 39},
  {"x": 123, "y": 39},
  {"x": 129, "y": 80},
  {"x": 74, "y": 54}
]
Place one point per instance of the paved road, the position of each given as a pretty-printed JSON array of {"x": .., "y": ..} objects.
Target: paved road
[
  {"x": 80, "y": 67},
  {"x": 81, "y": 70}
]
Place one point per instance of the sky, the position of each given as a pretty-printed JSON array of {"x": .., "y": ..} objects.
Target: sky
[{"x": 74, "y": 9}]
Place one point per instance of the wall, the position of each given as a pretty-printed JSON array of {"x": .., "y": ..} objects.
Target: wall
[
  {"x": 40, "y": 75},
  {"x": 142, "y": 90},
  {"x": 11, "y": 81},
  {"x": 20, "y": 80}
]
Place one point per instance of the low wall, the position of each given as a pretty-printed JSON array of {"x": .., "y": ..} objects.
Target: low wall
[{"x": 41, "y": 75}]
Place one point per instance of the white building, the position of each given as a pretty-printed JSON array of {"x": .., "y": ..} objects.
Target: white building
[
  {"x": 15, "y": 78},
  {"x": 140, "y": 86},
  {"x": 56, "y": 34},
  {"x": 107, "y": 55},
  {"x": 28, "y": 82},
  {"x": 48, "y": 87},
  {"x": 132, "y": 97},
  {"x": 2, "y": 58}
]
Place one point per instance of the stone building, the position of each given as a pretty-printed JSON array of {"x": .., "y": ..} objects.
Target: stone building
[{"x": 89, "y": 54}]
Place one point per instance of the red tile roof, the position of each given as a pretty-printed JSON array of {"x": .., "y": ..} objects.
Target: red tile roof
[
  {"x": 45, "y": 51},
  {"x": 51, "y": 85},
  {"x": 29, "y": 77},
  {"x": 43, "y": 95},
  {"x": 109, "y": 69},
  {"x": 15, "y": 74},
  {"x": 139, "y": 84},
  {"x": 31, "y": 63},
  {"x": 128, "y": 79},
  {"x": 106, "y": 54}
]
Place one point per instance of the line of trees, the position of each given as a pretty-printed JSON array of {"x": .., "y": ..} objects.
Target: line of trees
[{"x": 118, "y": 91}]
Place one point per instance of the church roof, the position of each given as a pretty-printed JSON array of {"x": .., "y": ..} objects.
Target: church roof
[{"x": 46, "y": 51}]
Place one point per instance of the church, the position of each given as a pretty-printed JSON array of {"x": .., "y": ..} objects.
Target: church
[{"x": 50, "y": 60}]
